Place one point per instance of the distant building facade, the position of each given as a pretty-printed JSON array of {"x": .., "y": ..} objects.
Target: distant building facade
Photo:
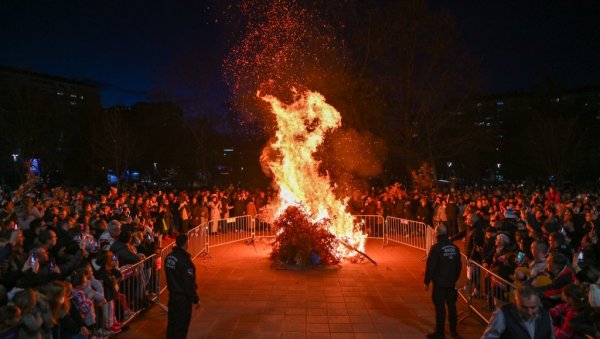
[
  {"x": 516, "y": 127},
  {"x": 46, "y": 118}
]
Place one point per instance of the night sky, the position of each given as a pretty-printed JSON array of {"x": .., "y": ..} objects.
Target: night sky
[{"x": 130, "y": 45}]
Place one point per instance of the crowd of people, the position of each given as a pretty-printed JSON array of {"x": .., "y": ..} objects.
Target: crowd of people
[
  {"x": 515, "y": 236},
  {"x": 62, "y": 251}
]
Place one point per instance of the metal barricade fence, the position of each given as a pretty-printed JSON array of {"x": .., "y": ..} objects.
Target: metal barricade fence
[
  {"x": 372, "y": 225},
  {"x": 480, "y": 288},
  {"x": 229, "y": 230},
  {"x": 463, "y": 281},
  {"x": 198, "y": 240},
  {"x": 162, "y": 277},
  {"x": 262, "y": 228},
  {"x": 137, "y": 289},
  {"x": 409, "y": 232},
  {"x": 483, "y": 290}
]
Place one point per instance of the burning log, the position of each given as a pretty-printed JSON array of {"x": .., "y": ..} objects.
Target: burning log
[{"x": 350, "y": 247}]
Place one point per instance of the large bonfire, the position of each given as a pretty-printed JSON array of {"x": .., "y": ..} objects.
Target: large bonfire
[{"x": 311, "y": 221}]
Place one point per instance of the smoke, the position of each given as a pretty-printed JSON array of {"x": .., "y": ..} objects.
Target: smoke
[{"x": 351, "y": 157}]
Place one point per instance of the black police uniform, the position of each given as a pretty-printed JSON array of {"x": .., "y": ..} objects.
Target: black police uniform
[
  {"x": 181, "y": 282},
  {"x": 443, "y": 269}
]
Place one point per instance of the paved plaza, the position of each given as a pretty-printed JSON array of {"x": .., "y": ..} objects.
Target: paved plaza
[{"x": 243, "y": 296}]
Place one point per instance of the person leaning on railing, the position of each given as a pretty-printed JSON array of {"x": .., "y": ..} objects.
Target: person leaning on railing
[{"x": 474, "y": 239}]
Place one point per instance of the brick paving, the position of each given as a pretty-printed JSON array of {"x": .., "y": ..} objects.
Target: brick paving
[{"x": 242, "y": 296}]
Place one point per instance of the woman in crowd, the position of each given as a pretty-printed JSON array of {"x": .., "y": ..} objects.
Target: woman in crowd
[{"x": 574, "y": 303}]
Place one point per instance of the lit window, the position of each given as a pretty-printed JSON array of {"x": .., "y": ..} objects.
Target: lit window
[
  {"x": 500, "y": 103},
  {"x": 60, "y": 93},
  {"x": 73, "y": 103},
  {"x": 73, "y": 96},
  {"x": 81, "y": 97},
  {"x": 479, "y": 104}
]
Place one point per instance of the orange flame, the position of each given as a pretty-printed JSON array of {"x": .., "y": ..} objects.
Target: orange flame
[{"x": 301, "y": 128}]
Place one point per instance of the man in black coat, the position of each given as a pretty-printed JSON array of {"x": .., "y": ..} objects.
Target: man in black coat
[
  {"x": 443, "y": 269},
  {"x": 181, "y": 283}
]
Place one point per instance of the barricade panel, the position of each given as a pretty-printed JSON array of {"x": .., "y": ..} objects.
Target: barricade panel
[
  {"x": 230, "y": 230},
  {"x": 483, "y": 290},
  {"x": 263, "y": 229},
  {"x": 409, "y": 232},
  {"x": 198, "y": 240},
  {"x": 137, "y": 289},
  {"x": 372, "y": 225},
  {"x": 162, "y": 277},
  {"x": 480, "y": 288}
]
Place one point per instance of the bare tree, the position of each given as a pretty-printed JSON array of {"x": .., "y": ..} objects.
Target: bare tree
[
  {"x": 114, "y": 144},
  {"x": 391, "y": 68},
  {"x": 555, "y": 143}
]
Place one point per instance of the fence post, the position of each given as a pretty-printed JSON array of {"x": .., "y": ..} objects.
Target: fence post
[
  {"x": 385, "y": 231},
  {"x": 462, "y": 315},
  {"x": 428, "y": 239}
]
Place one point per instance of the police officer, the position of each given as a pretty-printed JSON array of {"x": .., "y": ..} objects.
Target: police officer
[
  {"x": 443, "y": 269},
  {"x": 181, "y": 282}
]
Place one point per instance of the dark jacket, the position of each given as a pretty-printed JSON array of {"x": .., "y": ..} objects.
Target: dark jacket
[
  {"x": 196, "y": 211},
  {"x": 109, "y": 280},
  {"x": 443, "y": 263},
  {"x": 239, "y": 208},
  {"x": 181, "y": 274},
  {"x": 452, "y": 212},
  {"x": 69, "y": 325},
  {"x": 475, "y": 237},
  {"x": 514, "y": 329},
  {"x": 126, "y": 257}
]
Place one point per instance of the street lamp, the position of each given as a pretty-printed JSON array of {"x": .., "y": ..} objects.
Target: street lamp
[{"x": 15, "y": 156}]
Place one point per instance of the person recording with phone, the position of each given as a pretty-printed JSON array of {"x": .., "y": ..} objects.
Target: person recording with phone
[
  {"x": 39, "y": 268},
  {"x": 53, "y": 267}
]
